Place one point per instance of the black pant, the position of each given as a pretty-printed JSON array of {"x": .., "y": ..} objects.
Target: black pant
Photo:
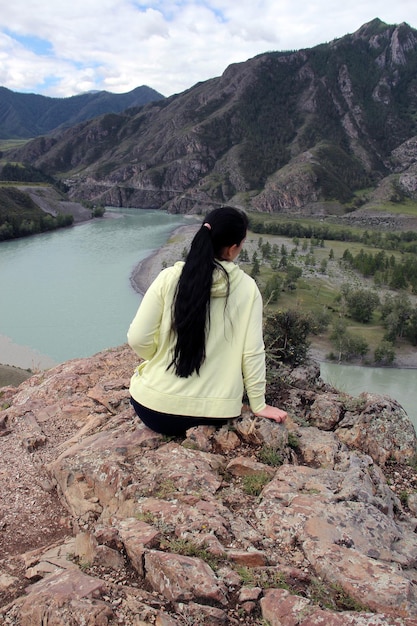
[{"x": 169, "y": 424}]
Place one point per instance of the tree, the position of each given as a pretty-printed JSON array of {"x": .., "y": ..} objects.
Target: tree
[
  {"x": 411, "y": 328},
  {"x": 272, "y": 289},
  {"x": 398, "y": 278},
  {"x": 266, "y": 250},
  {"x": 395, "y": 312},
  {"x": 348, "y": 345},
  {"x": 361, "y": 304},
  {"x": 255, "y": 266},
  {"x": 293, "y": 274},
  {"x": 244, "y": 256},
  {"x": 285, "y": 336}
]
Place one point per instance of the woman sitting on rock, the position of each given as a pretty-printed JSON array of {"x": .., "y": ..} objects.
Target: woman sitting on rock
[{"x": 199, "y": 329}]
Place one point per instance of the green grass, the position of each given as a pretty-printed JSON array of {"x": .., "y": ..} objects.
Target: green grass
[
  {"x": 9, "y": 144},
  {"x": 254, "y": 483},
  {"x": 316, "y": 291},
  {"x": 407, "y": 207},
  {"x": 267, "y": 218},
  {"x": 270, "y": 456}
]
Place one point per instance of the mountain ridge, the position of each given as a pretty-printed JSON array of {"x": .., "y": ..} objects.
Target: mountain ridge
[
  {"x": 281, "y": 132},
  {"x": 26, "y": 115}
]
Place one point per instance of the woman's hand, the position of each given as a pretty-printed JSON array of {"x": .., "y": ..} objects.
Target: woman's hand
[{"x": 273, "y": 413}]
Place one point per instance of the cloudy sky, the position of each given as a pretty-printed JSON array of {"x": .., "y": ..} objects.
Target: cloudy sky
[{"x": 65, "y": 47}]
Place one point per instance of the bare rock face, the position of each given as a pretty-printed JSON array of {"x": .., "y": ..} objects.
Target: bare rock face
[{"x": 105, "y": 522}]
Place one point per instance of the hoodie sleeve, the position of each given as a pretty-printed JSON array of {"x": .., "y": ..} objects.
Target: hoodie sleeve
[
  {"x": 143, "y": 332},
  {"x": 253, "y": 358}
]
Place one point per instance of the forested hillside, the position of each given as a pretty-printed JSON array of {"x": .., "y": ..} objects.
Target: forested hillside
[
  {"x": 325, "y": 130},
  {"x": 27, "y": 115}
]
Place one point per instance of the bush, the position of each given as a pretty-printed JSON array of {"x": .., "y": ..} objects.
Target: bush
[
  {"x": 384, "y": 354},
  {"x": 361, "y": 304},
  {"x": 285, "y": 335}
]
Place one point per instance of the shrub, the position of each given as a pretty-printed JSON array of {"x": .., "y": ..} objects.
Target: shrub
[
  {"x": 384, "y": 354},
  {"x": 285, "y": 335}
]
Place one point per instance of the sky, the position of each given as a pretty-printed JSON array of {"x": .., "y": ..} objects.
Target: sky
[{"x": 63, "y": 48}]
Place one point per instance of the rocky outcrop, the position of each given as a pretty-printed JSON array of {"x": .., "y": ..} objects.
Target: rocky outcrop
[{"x": 305, "y": 523}]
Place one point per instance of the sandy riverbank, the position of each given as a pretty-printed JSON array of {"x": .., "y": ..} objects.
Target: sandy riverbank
[{"x": 148, "y": 269}]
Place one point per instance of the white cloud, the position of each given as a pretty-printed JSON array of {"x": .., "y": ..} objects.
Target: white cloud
[{"x": 168, "y": 45}]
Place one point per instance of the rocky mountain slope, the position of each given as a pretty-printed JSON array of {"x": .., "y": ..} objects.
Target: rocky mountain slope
[
  {"x": 26, "y": 115},
  {"x": 282, "y": 132},
  {"x": 104, "y": 522}
]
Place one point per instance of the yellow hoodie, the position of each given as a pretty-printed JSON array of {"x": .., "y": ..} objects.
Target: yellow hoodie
[{"x": 235, "y": 355}]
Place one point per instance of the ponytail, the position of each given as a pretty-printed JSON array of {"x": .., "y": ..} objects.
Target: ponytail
[{"x": 191, "y": 307}]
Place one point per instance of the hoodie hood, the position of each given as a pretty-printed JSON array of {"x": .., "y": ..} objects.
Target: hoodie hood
[{"x": 219, "y": 286}]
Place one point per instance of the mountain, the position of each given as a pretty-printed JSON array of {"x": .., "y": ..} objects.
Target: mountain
[
  {"x": 284, "y": 131},
  {"x": 27, "y": 115}
]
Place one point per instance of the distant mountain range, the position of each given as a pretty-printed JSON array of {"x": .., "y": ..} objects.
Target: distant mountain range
[
  {"x": 326, "y": 129},
  {"x": 27, "y": 115}
]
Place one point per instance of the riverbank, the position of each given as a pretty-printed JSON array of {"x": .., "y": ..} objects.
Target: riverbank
[
  {"x": 148, "y": 269},
  {"x": 20, "y": 362}
]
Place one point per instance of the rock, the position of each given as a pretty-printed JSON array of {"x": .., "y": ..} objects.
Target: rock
[
  {"x": 226, "y": 440},
  {"x": 305, "y": 376},
  {"x": 208, "y": 615},
  {"x": 280, "y": 608},
  {"x": 181, "y": 578},
  {"x": 70, "y": 592},
  {"x": 319, "y": 448},
  {"x": 157, "y": 532},
  {"x": 136, "y": 536},
  {"x": 412, "y": 502},
  {"x": 242, "y": 466},
  {"x": 347, "y": 541},
  {"x": 380, "y": 427},
  {"x": 249, "y": 593},
  {"x": 7, "y": 581},
  {"x": 326, "y": 411},
  {"x": 377, "y": 585},
  {"x": 199, "y": 438}
]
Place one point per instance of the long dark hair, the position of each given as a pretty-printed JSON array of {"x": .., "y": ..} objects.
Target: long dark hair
[{"x": 221, "y": 228}]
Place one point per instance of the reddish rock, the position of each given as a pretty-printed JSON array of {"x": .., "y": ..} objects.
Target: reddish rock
[
  {"x": 182, "y": 578},
  {"x": 244, "y": 466},
  {"x": 326, "y": 513}
]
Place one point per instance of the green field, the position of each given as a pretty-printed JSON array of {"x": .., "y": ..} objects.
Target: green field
[
  {"x": 318, "y": 290},
  {"x": 11, "y": 144}
]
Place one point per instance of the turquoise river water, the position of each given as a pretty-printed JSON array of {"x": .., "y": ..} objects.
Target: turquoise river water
[{"x": 67, "y": 293}]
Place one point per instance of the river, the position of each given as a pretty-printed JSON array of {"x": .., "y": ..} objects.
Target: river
[
  {"x": 400, "y": 384},
  {"x": 67, "y": 294}
]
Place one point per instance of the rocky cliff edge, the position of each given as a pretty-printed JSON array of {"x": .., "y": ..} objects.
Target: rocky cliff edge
[{"x": 104, "y": 522}]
